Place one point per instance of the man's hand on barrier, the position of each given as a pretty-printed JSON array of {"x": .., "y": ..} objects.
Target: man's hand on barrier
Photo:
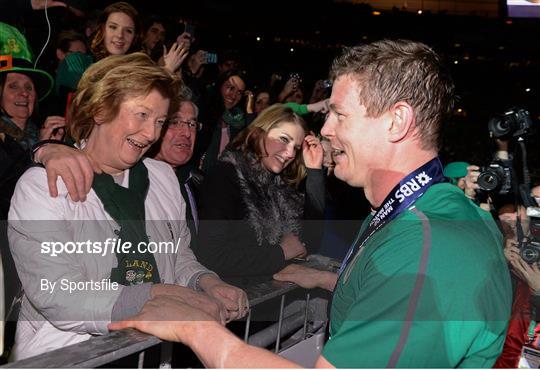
[
  {"x": 212, "y": 307},
  {"x": 168, "y": 317},
  {"x": 172, "y": 319},
  {"x": 307, "y": 277},
  {"x": 234, "y": 299}
]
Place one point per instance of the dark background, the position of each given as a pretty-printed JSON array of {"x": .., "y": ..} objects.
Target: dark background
[{"x": 493, "y": 60}]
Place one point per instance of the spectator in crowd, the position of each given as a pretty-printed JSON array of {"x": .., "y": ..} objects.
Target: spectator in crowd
[
  {"x": 117, "y": 33},
  {"x": 153, "y": 34},
  {"x": 456, "y": 172},
  {"x": 526, "y": 284},
  {"x": 222, "y": 116},
  {"x": 397, "y": 299},
  {"x": 176, "y": 148},
  {"x": 70, "y": 42},
  {"x": 262, "y": 101},
  {"x": 117, "y": 114},
  {"x": 251, "y": 204},
  {"x": 228, "y": 61},
  {"x": 21, "y": 87}
]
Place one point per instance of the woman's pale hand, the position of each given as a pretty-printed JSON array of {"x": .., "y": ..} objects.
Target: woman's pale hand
[
  {"x": 290, "y": 87},
  {"x": 250, "y": 102},
  {"x": 204, "y": 302},
  {"x": 53, "y": 128},
  {"x": 234, "y": 299},
  {"x": 185, "y": 39},
  {"x": 292, "y": 247},
  {"x": 174, "y": 58},
  {"x": 313, "y": 152}
]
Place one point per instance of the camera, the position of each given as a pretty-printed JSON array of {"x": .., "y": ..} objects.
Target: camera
[
  {"x": 530, "y": 251},
  {"x": 514, "y": 122},
  {"x": 495, "y": 177}
]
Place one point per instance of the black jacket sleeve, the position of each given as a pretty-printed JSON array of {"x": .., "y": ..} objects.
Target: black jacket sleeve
[{"x": 226, "y": 243}]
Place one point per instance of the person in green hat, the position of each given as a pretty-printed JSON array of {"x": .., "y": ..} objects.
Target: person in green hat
[
  {"x": 456, "y": 172},
  {"x": 21, "y": 87}
]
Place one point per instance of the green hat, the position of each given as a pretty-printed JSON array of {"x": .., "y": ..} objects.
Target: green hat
[
  {"x": 455, "y": 170},
  {"x": 16, "y": 57},
  {"x": 13, "y": 43}
]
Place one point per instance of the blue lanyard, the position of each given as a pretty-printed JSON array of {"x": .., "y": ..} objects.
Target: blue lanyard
[{"x": 401, "y": 198}]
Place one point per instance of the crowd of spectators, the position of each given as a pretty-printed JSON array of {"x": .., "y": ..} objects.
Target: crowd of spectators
[{"x": 241, "y": 140}]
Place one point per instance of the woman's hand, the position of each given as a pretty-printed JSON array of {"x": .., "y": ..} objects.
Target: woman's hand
[
  {"x": 185, "y": 39},
  {"x": 313, "y": 152},
  {"x": 290, "y": 87},
  {"x": 250, "y": 102},
  {"x": 292, "y": 247},
  {"x": 174, "y": 58},
  {"x": 234, "y": 299},
  {"x": 53, "y": 128}
]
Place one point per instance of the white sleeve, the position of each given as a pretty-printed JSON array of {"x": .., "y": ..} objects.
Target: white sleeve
[{"x": 36, "y": 219}]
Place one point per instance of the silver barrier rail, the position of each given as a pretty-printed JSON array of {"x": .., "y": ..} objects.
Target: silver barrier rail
[{"x": 102, "y": 350}]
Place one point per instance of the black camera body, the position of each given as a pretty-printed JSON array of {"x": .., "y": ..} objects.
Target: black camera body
[
  {"x": 495, "y": 178},
  {"x": 514, "y": 122}
]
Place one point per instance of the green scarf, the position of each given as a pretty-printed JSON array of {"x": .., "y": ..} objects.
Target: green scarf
[{"x": 126, "y": 206}]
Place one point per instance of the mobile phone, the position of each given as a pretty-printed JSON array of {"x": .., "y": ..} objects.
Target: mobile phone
[{"x": 211, "y": 58}]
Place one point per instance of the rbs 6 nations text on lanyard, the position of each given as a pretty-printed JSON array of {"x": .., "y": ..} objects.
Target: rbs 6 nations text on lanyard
[{"x": 401, "y": 198}]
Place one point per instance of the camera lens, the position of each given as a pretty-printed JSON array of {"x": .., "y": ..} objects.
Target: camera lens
[
  {"x": 498, "y": 126},
  {"x": 488, "y": 180},
  {"x": 529, "y": 255}
]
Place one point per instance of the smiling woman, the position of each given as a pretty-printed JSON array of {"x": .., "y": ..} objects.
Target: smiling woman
[
  {"x": 253, "y": 201},
  {"x": 117, "y": 113},
  {"x": 118, "y": 32}
]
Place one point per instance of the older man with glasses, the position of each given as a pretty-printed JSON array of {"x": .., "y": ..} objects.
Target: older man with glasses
[{"x": 176, "y": 149}]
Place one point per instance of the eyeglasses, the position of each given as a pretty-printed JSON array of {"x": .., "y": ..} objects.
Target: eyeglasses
[{"x": 177, "y": 124}]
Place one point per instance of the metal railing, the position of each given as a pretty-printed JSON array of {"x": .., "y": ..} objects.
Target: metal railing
[{"x": 303, "y": 316}]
